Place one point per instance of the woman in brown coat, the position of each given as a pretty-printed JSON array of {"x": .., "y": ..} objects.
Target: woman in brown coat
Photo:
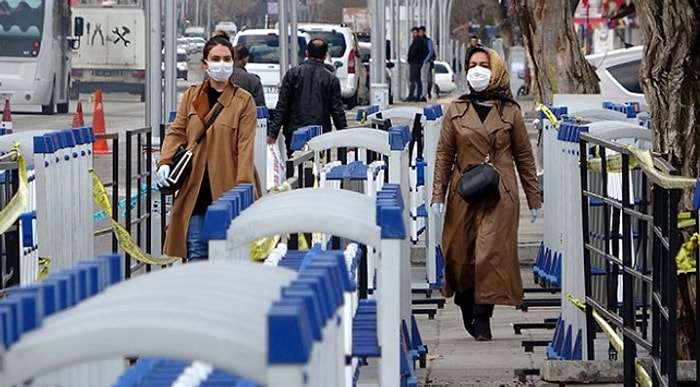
[
  {"x": 479, "y": 240},
  {"x": 224, "y": 157}
]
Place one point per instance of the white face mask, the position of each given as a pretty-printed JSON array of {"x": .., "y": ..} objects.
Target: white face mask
[
  {"x": 479, "y": 78},
  {"x": 219, "y": 71}
]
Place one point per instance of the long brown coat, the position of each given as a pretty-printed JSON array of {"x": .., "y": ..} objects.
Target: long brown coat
[
  {"x": 480, "y": 241},
  {"x": 226, "y": 151}
]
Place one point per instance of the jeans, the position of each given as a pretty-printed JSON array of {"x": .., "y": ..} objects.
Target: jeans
[
  {"x": 197, "y": 249},
  {"x": 426, "y": 76}
]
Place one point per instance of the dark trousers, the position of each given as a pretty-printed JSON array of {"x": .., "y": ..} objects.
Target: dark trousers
[{"x": 415, "y": 84}]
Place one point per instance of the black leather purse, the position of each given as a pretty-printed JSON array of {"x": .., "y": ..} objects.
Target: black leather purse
[
  {"x": 182, "y": 160},
  {"x": 479, "y": 181}
]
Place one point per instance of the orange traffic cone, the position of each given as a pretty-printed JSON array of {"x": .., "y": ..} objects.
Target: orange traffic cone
[
  {"x": 98, "y": 126},
  {"x": 6, "y": 125},
  {"x": 78, "y": 121}
]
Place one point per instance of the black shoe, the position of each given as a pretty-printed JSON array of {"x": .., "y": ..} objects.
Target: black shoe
[
  {"x": 468, "y": 320},
  {"x": 482, "y": 328},
  {"x": 422, "y": 99},
  {"x": 409, "y": 99},
  {"x": 465, "y": 301}
]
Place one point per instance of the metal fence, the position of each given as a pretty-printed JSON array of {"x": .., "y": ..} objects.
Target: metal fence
[{"x": 630, "y": 247}]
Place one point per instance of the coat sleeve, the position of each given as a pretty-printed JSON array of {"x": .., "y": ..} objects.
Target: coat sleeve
[
  {"x": 444, "y": 159},
  {"x": 337, "y": 112},
  {"x": 247, "y": 126},
  {"x": 525, "y": 161},
  {"x": 282, "y": 108},
  {"x": 177, "y": 130},
  {"x": 258, "y": 93}
]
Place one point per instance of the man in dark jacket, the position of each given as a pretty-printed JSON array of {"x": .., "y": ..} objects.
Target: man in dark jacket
[
  {"x": 416, "y": 55},
  {"x": 309, "y": 95},
  {"x": 245, "y": 80}
]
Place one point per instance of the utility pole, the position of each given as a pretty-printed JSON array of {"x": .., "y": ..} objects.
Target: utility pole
[
  {"x": 208, "y": 29},
  {"x": 379, "y": 88},
  {"x": 196, "y": 14}
]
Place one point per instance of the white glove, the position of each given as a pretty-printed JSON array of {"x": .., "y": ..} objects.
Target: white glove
[
  {"x": 437, "y": 208},
  {"x": 535, "y": 214},
  {"x": 162, "y": 176}
]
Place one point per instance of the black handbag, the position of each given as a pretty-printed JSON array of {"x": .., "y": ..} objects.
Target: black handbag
[
  {"x": 182, "y": 160},
  {"x": 479, "y": 181}
]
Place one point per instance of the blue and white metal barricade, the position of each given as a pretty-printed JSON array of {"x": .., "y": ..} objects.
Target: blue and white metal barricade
[
  {"x": 378, "y": 223},
  {"x": 559, "y": 263},
  {"x": 260, "y": 154},
  {"x": 56, "y": 224},
  {"x": 420, "y": 187},
  {"x": 220, "y": 313},
  {"x": 32, "y": 319}
]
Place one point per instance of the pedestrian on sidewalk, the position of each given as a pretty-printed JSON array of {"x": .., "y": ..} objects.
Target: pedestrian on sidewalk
[
  {"x": 241, "y": 77},
  {"x": 426, "y": 72},
  {"x": 309, "y": 95},
  {"x": 223, "y": 158},
  {"x": 416, "y": 55},
  {"x": 479, "y": 240}
]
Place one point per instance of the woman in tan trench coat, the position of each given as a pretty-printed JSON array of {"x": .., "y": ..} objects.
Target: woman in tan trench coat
[
  {"x": 480, "y": 240},
  {"x": 224, "y": 157}
]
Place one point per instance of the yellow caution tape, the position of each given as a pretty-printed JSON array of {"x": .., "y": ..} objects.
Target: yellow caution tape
[
  {"x": 44, "y": 263},
  {"x": 644, "y": 159},
  {"x": 612, "y": 164},
  {"x": 550, "y": 116},
  {"x": 661, "y": 178},
  {"x": 685, "y": 259},
  {"x": 99, "y": 195},
  {"x": 16, "y": 206},
  {"x": 685, "y": 219},
  {"x": 640, "y": 373}
]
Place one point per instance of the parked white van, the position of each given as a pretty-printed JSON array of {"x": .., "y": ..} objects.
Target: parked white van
[
  {"x": 344, "y": 52},
  {"x": 264, "y": 60}
]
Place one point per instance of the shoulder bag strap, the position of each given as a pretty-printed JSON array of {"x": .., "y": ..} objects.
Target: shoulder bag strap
[{"x": 212, "y": 116}]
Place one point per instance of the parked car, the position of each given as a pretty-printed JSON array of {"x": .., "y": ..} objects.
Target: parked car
[
  {"x": 264, "y": 59},
  {"x": 618, "y": 71},
  {"x": 185, "y": 44},
  {"x": 444, "y": 78},
  {"x": 344, "y": 53},
  {"x": 197, "y": 42},
  {"x": 181, "y": 64}
]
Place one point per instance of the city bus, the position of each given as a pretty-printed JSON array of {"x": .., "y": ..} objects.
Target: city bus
[{"x": 35, "y": 53}]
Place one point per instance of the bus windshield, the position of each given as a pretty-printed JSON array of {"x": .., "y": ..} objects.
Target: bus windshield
[{"x": 21, "y": 23}]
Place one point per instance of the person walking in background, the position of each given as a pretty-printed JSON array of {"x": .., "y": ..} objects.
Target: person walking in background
[
  {"x": 242, "y": 78},
  {"x": 473, "y": 43},
  {"x": 426, "y": 73},
  {"x": 480, "y": 239},
  {"x": 416, "y": 55},
  {"x": 224, "y": 157},
  {"x": 309, "y": 95}
]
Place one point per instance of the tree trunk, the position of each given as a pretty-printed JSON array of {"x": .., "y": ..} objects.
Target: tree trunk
[
  {"x": 671, "y": 85},
  {"x": 558, "y": 62}
]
